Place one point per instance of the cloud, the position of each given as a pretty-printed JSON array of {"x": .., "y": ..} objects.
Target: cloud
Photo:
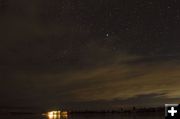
[
  {"x": 128, "y": 81},
  {"x": 116, "y": 81}
]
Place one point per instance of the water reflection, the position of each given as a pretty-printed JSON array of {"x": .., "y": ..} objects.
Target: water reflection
[
  {"x": 57, "y": 115},
  {"x": 116, "y": 116}
]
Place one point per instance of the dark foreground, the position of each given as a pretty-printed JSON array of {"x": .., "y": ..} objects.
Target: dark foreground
[{"x": 90, "y": 116}]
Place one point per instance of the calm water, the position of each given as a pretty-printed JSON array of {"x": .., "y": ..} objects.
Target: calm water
[{"x": 90, "y": 116}]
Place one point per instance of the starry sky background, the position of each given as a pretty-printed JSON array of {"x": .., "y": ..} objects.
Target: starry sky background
[{"x": 89, "y": 54}]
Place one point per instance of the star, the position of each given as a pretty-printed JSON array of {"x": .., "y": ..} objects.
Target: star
[{"x": 107, "y": 35}]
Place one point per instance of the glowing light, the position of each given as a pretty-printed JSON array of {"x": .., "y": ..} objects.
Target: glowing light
[
  {"x": 64, "y": 114},
  {"x": 54, "y": 115}
]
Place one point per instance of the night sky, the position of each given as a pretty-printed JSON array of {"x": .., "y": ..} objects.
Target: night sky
[{"x": 89, "y": 54}]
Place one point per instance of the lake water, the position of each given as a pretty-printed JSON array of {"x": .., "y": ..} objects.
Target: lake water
[{"x": 90, "y": 116}]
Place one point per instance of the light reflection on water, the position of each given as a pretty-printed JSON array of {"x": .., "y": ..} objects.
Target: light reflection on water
[
  {"x": 57, "y": 115},
  {"x": 86, "y": 116},
  {"x": 102, "y": 117}
]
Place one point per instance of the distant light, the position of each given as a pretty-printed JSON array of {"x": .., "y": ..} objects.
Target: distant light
[
  {"x": 64, "y": 113},
  {"x": 54, "y": 115}
]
